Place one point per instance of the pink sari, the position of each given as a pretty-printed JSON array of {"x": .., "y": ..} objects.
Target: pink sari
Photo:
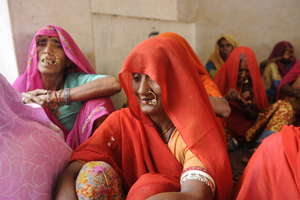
[
  {"x": 33, "y": 151},
  {"x": 31, "y": 80}
]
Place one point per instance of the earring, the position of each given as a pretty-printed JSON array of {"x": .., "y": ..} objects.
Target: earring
[{"x": 153, "y": 101}]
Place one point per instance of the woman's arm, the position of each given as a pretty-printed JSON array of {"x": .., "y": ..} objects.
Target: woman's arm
[
  {"x": 220, "y": 106},
  {"x": 190, "y": 190},
  {"x": 65, "y": 189},
  {"x": 287, "y": 90},
  {"x": 101, "y": 87}
]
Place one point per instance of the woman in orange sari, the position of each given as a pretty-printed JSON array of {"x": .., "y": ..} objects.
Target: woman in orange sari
[
  {"x": 166, "y": 145},
  {"x": 273, "y": 171},
  {"x": 218, "y": 102},
  {"x": 240, "y": 82}
]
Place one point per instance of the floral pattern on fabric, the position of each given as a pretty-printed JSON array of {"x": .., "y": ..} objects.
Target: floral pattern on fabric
[
  {"x": 274, "y": 118},
  {"x": 98, "y": 181}
]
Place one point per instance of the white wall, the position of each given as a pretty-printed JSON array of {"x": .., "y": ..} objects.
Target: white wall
[{"x": 8, "y": 62}]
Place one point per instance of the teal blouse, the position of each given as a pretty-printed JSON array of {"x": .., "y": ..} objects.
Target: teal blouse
[{"x": 67, "y": 113}]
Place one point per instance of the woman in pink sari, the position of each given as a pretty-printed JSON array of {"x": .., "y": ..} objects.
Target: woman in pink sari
[
  {"x": 32, "y": 148},
  {"x": 59, "y": 78}
]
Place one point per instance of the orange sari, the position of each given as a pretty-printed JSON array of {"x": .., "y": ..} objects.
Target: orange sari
[
  {"x": 273, "y": 171},
  {"x": 226, "y": 78},
  {"x": 209, "y": 85},
  {"x": 129, "y": 141}
]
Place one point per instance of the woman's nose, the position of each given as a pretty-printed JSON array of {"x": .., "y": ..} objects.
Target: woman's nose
[
  {"x": 143, "y": 86},
  {"x": 48, "y": 48}
]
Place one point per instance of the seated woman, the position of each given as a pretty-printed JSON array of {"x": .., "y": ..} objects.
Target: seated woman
[
  {"x": 60, "y": 78},
  {"x": 223, "y": 47},
  {"x": 219, "y": 104},
  {"x": 166, "y": 145},
  {"x": 273, "y": 171},
  {"x": 33, "y": 151},
  {"x": 289, "y": 89},
  {"x": 277, "y": 66},
  {"x": 240, "y": 82}
]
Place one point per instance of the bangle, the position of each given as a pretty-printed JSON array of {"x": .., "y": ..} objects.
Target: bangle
[{"x": 67, "y": 96}]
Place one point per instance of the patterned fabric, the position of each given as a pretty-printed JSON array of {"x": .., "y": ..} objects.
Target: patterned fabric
[
  {"x": 98, "y": 181},
  {"x": 200, "y": 174},
  {"x": 273, "y": 119},
  {"x": 33, "y": 151}
]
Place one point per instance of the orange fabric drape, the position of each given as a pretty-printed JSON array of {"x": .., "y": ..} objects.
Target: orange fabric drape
[
  {"x": 131, "y": 144},
  {"x": 209, "y": 85},
  {"x": 273, "y": 171},
  {"x": 226, "y": 78}
]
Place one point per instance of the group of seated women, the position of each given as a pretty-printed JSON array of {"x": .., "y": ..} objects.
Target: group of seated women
[{"x": 169, "y": 143}]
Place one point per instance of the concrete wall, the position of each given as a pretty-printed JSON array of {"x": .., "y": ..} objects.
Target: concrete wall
[
  {"x": 106, "y": 30},
  {"x": 8, "y": 62},
  {"x": 259, "y": 24},
  {"x": 30, "y": 15}
]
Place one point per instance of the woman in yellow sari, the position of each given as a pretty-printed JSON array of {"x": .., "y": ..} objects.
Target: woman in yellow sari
[{"x": 223, "y": 47}]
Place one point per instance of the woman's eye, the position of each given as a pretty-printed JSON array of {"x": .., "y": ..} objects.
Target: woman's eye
[
  {"x": 136, "y": 77},
  {"x": 41, "y": 42},
  {"x": 58, "y": 44}
]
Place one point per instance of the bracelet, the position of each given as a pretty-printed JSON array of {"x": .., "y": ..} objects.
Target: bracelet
[{"x": 67, "y": 96}]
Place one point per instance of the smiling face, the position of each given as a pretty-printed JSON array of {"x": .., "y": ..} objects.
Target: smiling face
[
  {"x": 148, "y": 94},
  {"x": 51, "y": 56}
]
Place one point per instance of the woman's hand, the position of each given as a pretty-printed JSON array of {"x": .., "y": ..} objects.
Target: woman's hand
[
  {"x": 232, "y": 94},
  {"x": 38, "y": 96},
  {"x": 220, "y": 106}
]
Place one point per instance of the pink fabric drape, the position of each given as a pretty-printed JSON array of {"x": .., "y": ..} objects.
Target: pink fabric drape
[
  {"x": 31, "y": 80},
  {"x": 32, "y": 148}
]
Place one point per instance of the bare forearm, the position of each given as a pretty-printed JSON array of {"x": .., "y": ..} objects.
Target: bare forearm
[
  {"x": 98, "y": 88},
  {"x": 66, "y": 183},
  {"x": 177, "y": 196},
  {"x": 190, "y": 190},
  {"x": 288, "y": 90}
]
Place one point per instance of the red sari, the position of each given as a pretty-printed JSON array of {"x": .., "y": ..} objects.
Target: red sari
[
  {"x": 129, "y": 142},
  {"x": 226, "y": 78},
  {"x": 273, "y": 172}
]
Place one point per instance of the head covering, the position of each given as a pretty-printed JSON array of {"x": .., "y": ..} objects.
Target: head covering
[
  {"x": 278, "y": 51},
  {"x": 31, "y": 78},
  {"x": 209, "y": 85},
  {"x": 33, "y": 150},
  {"x": 273, "y": 168},
  {"x": 226, "y": 78},
  {"x": 184, "y": 100},
  {"x": 143, "y": 154},
  {"x": 215, "y": 57}
]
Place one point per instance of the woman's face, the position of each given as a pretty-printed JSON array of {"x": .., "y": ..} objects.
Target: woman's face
[
  {"x": 288, "y": 53},
  {"x": 51, "y": 56},
  {"x": 148, "y": 94},
  {"x": 243, "y": 74},
  {"x": 225, "y": 48}
]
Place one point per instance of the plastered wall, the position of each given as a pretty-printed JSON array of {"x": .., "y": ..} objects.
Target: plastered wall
[{"x": 106, "y": 31}]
